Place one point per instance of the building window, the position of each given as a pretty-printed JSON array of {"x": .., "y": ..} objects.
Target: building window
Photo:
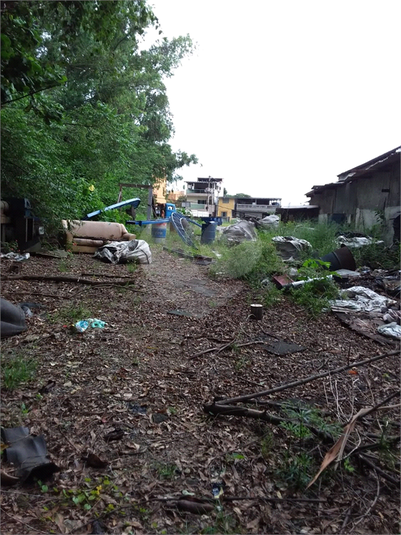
[
  {"x": 223, "y": 214},
  {"x": 226, "y": 200}
]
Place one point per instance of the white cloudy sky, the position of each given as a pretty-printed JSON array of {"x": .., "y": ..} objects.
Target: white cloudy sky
[{"x": 281, "y": 95}]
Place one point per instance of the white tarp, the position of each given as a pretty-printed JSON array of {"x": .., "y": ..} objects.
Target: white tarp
[
  {"x": 393, "y": 330},
  {"x": 356, "y": 242},
  {"x": 270, "y": 221},
  {"x": 361, "y": 299},
  {"x": 241, "y": 231},
  {"x": 121, "y": 252},
  {"x": 289, "y": 247}
]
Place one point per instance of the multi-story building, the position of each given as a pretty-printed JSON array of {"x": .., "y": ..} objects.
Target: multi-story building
[
  {"x": 226, "y": 207},
  {"x": 202, "y": 196},
  {"x": 255, "y": 206}
]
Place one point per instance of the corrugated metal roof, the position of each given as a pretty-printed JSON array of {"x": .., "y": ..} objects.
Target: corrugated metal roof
[
  {"x": 360, "y": 170},
  {"x": 367, "y": 167}
]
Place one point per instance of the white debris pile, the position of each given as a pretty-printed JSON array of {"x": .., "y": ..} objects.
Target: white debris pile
[
  {"x": 270, "y": 221},
  {"x": 357, "y": 241},
  {"x": 121, "y": 252},
  {"x": 241, "y": 231},
  {"x": 361, "y": 299},
  {"x": 289, "y": 247}
]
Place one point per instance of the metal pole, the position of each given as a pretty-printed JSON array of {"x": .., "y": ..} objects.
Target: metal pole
[{"x": 150, "y": 198}]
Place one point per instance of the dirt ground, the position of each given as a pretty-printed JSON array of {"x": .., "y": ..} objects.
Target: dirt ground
[{"x": 122, "y": 408}]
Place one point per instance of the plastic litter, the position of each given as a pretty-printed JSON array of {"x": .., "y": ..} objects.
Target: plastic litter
[
  {"x": 96, "y": 324},
  {"x": 83, "y": 325},
  {"x": 356, "y": 242},
  {"x": 393, "y": 330},
  {"x": 217, "y": 490},
  {"x": 270, "y": 221},
  {"x": 361, "y": 299},
  {"x": 27, "y": 311},
  {"x": 289, "y": 247},
  {"x": 17, "y": 257},
  {"x": 239, "y": 232},
  {"x": 121, "y": 252}
]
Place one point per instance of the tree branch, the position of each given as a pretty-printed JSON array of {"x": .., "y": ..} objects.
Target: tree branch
[
  {"x": 30, "y": 94},
  {"x": 285, "y": 386},
  {"x": 62, "y": 278}
]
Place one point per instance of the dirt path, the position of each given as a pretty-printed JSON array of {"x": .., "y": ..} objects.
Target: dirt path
[{"x": 141, "y": 379}]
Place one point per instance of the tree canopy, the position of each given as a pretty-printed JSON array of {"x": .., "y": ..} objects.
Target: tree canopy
[{"x": 84, "y": 105}]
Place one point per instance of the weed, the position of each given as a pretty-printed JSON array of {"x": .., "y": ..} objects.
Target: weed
[
  {"x": 44, "y": 488},
  {"x": 315, "y": 295},
  {"x": 296, "y": 470},
  {"x": 304, "y": 416},
  {"x": 348, "y": 466},
  {"x": 167, "y": 471},
  {"x": 17, "y": 371},
  {"x": 266, "y": 444},
  {"x": 298, "y": 430},
  {"x": 378, "y": 256},
  {"x": 63, "y": 266},
  {"x": 223, "y": 523},
  {"x": 132, "y": 267},
  {"x": 72, "y": 314},
  {"x": 271, "y": 296},
  {"x": 241, "y": 363},
  {"x": 233, "y": 457},
  {"x": 24, "y": 409}
]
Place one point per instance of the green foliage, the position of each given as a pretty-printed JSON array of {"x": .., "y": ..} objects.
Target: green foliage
[
  {"x": 296, "y": 470},
  {"x": 86, "y": 108},
  {"x": 348, "y": 466},
  {"x": 233, "y": 457},
  {"x": 378, "y": 256},
  {"x": 24, "y": 409},
  {"x": 251, "y": 261},
  {"x": 72, "y": 313},
  {"x": 315, "y": 295},
  {"x": 167, "y": 470},
  {"x": 16, "y": 371},
  {"x": 303, "y": 417},
  {"x": 223, "y": 523}
]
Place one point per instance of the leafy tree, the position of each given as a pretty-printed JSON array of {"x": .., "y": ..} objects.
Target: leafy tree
[{"x": 87, "y": 109}]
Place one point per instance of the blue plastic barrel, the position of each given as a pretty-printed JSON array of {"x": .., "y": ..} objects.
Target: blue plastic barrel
[
  {"x": 208, "y": 232},
  {"x": 159, "y": 232}
]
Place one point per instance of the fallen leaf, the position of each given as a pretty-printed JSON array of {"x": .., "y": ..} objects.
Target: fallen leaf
[{"x": 336, "y": 451}]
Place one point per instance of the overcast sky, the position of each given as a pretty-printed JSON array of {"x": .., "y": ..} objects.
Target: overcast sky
[{"x": 283, "y": 95}]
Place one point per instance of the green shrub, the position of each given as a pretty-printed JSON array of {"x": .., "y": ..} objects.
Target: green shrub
[{"x": 17, "y": 371}]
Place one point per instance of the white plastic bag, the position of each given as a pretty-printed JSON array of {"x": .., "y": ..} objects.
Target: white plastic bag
[{"x": 120, "y": 252}]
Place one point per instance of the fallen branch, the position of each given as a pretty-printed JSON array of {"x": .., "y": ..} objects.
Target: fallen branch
[
  {"x": 382, "y": 473},
  {"x": 245, "y": 498},
  {"x": 230, "y": 410},
  {"x": 28, "y": 292},
  {"x": 63, "y": 278},
  {"x": 309, "y": 379},
  {"x": 218, "y": 349},
  {"x": 110, "y": 275},
  {"x": 231, "y": 343}
]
